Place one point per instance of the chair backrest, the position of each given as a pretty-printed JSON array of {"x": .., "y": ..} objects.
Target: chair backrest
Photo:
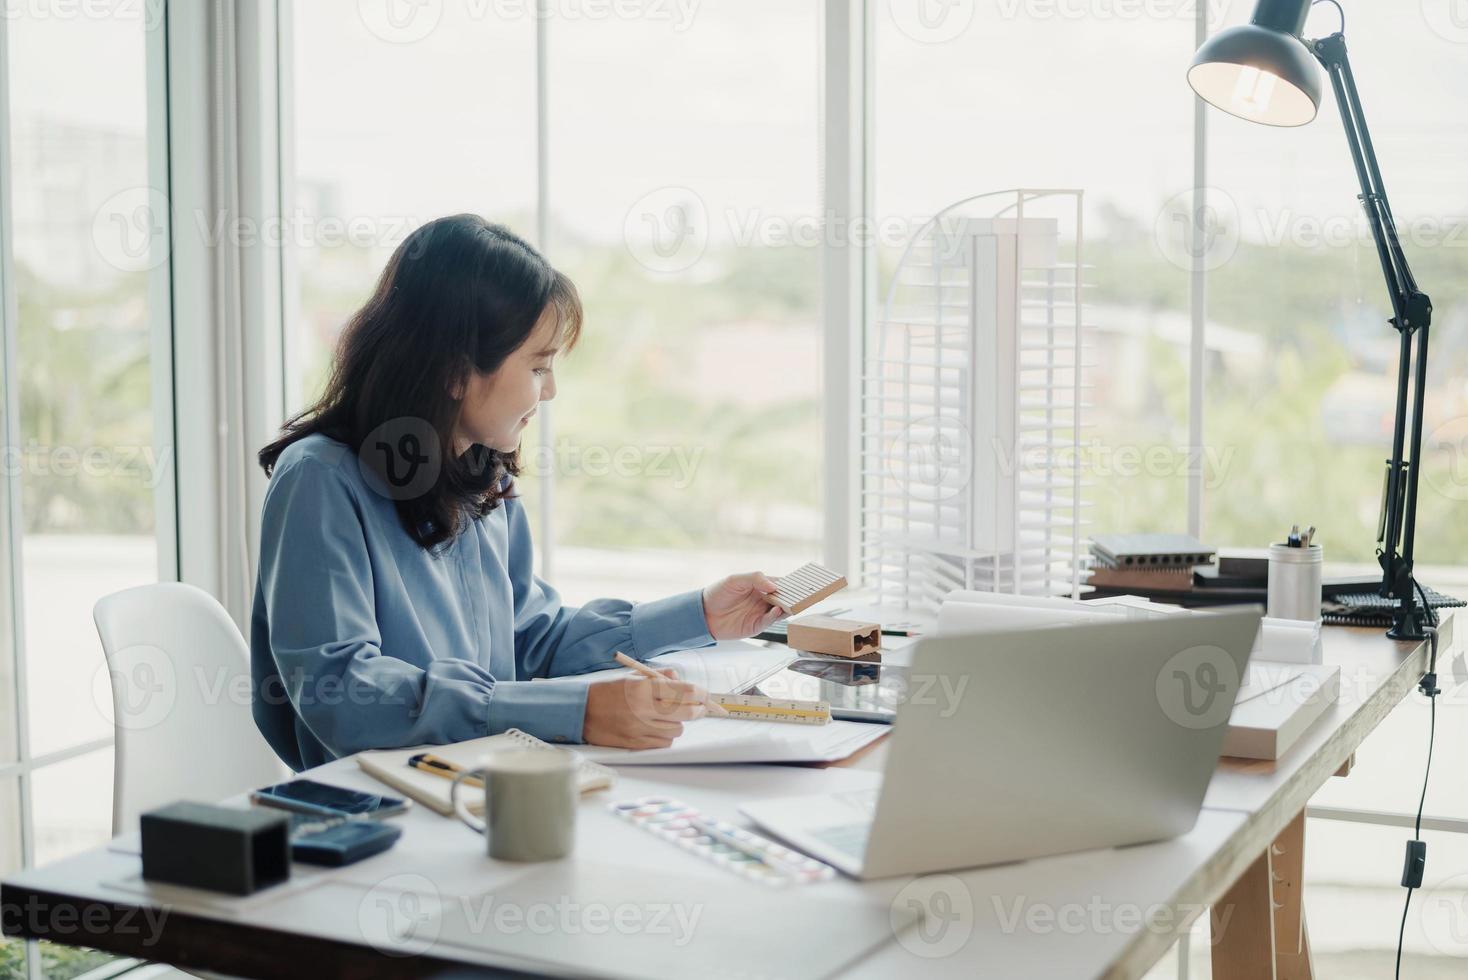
[{"x": 181, "y": 698}]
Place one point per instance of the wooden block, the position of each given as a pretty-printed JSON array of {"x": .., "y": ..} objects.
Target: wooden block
[
  {"x": 835, "y": 637},
  {"x": 806, "y": 586}
]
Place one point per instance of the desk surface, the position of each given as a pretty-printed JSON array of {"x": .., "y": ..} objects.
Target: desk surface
[{"x": 1099, "y": 913}]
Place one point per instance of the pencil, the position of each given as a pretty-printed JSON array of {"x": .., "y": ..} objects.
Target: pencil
[
  {"x": 433, "y": 765},
  {"x": 712, "y": 707}
]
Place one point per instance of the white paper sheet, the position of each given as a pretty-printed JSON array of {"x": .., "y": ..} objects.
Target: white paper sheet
[{"x": 736, "y": 740}]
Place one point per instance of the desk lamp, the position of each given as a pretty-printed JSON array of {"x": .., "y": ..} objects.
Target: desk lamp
[{"x": 1265, "y": 72}]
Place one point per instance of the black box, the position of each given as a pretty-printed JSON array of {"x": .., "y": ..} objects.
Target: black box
[{"x": 215, "y": 847}]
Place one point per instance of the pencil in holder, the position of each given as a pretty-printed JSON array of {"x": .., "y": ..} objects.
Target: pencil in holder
[{"x": 1294, "y": 581}]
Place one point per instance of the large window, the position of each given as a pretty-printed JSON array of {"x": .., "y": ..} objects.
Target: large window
[
  {"x": 83, "y": 473},
  {"x": 680, "y": 193},
  {"x": 977, "y": 98},
  {"x": 684, "y": 200}
]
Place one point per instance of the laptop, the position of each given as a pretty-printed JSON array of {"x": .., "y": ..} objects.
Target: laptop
[{"x": 1022, "y": 744}]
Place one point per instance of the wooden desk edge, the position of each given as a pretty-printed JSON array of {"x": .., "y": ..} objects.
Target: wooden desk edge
[{"x": 192, "y": 942}]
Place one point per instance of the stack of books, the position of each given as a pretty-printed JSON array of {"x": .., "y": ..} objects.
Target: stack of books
[{"x": 1147, "y": 562}]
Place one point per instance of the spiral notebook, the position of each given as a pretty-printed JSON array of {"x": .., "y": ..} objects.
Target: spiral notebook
[{"x": 390, "y": 766}]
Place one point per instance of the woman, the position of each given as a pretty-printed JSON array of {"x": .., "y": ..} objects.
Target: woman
[{"x": 396, "y": 604}]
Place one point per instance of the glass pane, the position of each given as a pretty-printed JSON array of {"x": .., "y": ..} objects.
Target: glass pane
[
  {"x": 398, "y": 121},
  {"x": 978, "y": 98},
  {"x": 72, "y": 811},
  {"x": 9, "y": 700},
  {"x": 1306, "y": 403},
  {"x": 685, "y": 203},
  {"x": 65, "y": 962},
  {"x": 71, "y": 805},
  {"x": 12, "y": 959},
  {"x": 12, "y": 951},
  {"x": 83, "y": 221},
  {"x": 10, "y": 847}
]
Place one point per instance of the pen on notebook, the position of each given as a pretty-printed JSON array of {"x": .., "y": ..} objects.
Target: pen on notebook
[
  {"x": 712, "y": 707},
  {"x": 432, "y": 764}
]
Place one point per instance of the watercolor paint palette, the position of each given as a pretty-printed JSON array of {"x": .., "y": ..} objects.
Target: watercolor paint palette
[{"x": 707, "y": 837}]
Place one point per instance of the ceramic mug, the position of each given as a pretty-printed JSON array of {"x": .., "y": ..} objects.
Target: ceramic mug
[{"x": 530, "y": 799}]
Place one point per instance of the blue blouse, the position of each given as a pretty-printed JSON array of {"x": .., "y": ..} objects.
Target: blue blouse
[{"x": 362, "y": 639}]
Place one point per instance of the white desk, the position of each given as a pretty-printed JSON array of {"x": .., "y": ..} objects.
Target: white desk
[{"x": 1101, "y": 913}]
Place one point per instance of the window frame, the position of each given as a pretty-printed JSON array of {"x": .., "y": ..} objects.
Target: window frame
[{"x": 163, "y": 402}]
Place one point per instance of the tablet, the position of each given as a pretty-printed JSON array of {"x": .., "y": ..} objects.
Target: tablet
[{"x": 856, "y": 690}]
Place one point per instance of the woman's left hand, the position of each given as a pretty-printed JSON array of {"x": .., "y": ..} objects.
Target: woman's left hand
[{"x": 736, "y": 607}]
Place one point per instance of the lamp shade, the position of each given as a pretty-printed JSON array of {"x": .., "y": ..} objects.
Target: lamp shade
[{"x": 1261, "y": 73}]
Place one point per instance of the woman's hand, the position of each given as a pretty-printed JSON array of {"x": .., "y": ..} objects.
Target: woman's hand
[
  {"x": 736, "y": 607},
  {"x": 639, "y": 713}
]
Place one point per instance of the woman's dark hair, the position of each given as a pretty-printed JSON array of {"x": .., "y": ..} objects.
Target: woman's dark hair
[{"x": 458, "y": 295}]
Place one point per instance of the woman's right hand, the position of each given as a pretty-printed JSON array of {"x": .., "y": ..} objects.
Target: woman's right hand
[{"x": 640, "y": 713}]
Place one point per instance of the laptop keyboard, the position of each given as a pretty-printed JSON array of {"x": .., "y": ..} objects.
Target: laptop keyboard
[
  {"x": 864, "y": 800},
  {"x": 848, "y": 838}
]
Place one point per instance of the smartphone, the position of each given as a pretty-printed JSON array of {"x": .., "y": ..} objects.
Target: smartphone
[
  {"x": 319, "y": 799},
  {"x": 856, "y": 690}
]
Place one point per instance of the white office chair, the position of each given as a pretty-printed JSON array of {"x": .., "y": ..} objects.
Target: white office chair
[{"x": 181, "y": 701}]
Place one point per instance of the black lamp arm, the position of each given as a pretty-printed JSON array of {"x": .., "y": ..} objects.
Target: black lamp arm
[{"x": 1411, "y": 316}]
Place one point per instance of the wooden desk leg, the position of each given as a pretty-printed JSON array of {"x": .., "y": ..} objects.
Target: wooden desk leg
[
  {"x": 1243, "y": 927},
  {"x": 1259, "y": 925},
  {"x": 1287, "y": 870}
]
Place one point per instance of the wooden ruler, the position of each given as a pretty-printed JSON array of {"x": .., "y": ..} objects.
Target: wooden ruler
[{"x": 757, "y": 708}]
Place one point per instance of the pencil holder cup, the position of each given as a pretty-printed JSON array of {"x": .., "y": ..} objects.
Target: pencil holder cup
[{"x": 1294, "y": 581}]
